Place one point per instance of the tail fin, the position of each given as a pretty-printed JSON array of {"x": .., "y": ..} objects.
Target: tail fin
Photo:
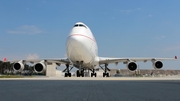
[{"x": 4, "y": 60}]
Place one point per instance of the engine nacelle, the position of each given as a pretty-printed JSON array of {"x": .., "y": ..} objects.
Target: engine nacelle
[
  {"x": 157, "y": 64},
  {"x": 132, "y": 66},
  {"x": 40, "y": 67},
  {"x": 19, "y": 66}
]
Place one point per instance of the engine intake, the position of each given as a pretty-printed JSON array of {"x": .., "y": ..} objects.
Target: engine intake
[
  {"x": 39, "y": 67},
  {"x": 132, "y": 66},
  {"x": 157, "y": 64},
  {"x": 19, "y": 66}
]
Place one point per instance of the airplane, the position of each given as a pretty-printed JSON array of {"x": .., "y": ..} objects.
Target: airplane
[{"x": 82, "y": 53}]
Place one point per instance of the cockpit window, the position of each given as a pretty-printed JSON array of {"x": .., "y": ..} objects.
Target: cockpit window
[
  {"x": 76, "y": 25},
  {"x": 79, "y": 25}
]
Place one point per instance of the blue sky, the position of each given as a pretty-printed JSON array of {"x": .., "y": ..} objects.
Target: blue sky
[{"x": 122, "y": 28}]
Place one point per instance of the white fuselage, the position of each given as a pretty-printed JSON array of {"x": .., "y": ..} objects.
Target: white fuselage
[{"x": 81, "y": 46}]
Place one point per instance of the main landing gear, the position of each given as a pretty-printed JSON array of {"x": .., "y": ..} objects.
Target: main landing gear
[
  {"x": 67, "y": 71},
  {"x": 93, "y": 73},
  {"x": 105, "y": 74}
]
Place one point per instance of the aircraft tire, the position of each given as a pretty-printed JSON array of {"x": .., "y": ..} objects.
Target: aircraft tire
[
  {"x": 95, "y": 74},
  {"x": 69, "y": 74},
  {"x": 91, "y": 74},
  {"x": 103, "y": 74},
  {"x": 107, "y": 74},
  {"x": 65, "y": 75}
]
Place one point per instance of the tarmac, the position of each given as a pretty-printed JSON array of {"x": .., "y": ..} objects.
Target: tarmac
[{"x": 90, "y": 89}]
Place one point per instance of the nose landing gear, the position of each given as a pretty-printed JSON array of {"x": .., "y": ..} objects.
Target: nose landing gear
[{"x": 80, "y": 72}]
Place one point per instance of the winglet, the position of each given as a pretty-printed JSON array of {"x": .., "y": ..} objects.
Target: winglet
[
  {"x": 4, "y": 60},
  {"x": 176, "y": 57}
]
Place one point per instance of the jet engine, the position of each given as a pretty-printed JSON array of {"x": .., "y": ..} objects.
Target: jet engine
[
  {"x": 157, "y": 64},
  {"x": 132, "y": 66},
  {"x": 19, "y": 66},
  {"x": 40, "y": 67}
]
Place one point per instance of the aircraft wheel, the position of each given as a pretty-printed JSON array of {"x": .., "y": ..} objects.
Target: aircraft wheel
[
  {"x": 107, "y": 75},
  {"x": 82, "y": 75},
  {"x": 69, "y": 74},
  {"x": 103, "y": 74},
  {"x": 65, "y": 75},
  {"x": 91, "y": 74},
  {"x": 77, "y": 74}
]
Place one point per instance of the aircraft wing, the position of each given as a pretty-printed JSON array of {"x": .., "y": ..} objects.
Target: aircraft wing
[
  {"x": 57, "y": 61},
  {"x": 105, "y": 60},
  {"x": 40, "y": 64}
]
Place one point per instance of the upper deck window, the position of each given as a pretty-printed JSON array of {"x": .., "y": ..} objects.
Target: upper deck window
[{"x": 79, "y": 25}]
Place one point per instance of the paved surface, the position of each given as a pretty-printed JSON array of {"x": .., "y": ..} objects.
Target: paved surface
[{"x": 89, "y": 90}]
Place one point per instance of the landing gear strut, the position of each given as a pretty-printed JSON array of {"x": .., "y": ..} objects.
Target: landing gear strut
[
  {"x": 67, "y": 73},
  {"x": 106, "y": 74}
]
